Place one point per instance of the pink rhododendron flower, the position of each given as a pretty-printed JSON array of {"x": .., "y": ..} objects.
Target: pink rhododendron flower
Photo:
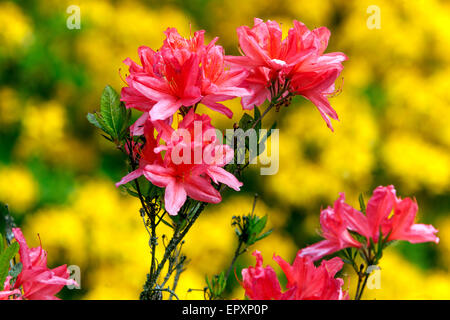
[
  {"x": 385, "y": 212},
  {"x": 183, "y": 72},
  {"x": 296, "y": 64},
  {"x": 36, "y": 281},
  {"x": 186, "y": 174},
  {"x": 395, "y": 217},
  {"x": 334, "y": 229},
  {"x": 168, "y": 84},
  {"x": 305, "y": 281},
  {"x": 309, "y": 282},
  {"x": 261, "y": 283}
]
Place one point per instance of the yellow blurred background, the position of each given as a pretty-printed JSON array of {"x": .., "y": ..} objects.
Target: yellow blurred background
[{"x": 57, "y": 173}]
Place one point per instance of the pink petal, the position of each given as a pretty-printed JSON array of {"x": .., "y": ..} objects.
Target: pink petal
[
  {"x": 130, "y": 177},
  {"x": 174, "y": 197},
  {"x": 325, "y": 109},
  {"x": 219, "y": 174},
  {"x": 158, "y": 175},
  {"x": 137, "y": 128},
  {"x": 145, "y": 89},
  {"x": 260, "y": 283},
  {"x": 164, "y": 109},
  {"x": 333, "y": 266},
  {"x": 23, "y": 250},
  {"x": 419, "y": 233},
  {"x": 200, "y": 189},
  {"x": 210, "y": 103},
  {"x": 356, "y": 221},
  {"x": 320, "y": 249},
  {"x": 379, "y": 207}
]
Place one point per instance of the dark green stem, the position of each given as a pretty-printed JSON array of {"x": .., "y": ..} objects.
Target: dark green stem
[
  {"x": 180, "y": 269},
  {"x": 150, "y": 214},
  {"x": 363, "y": 274},
  {"x": 173, "y": 243},
  {"x": 237, "y": 253},
  {"x": 363, "y": 286}
]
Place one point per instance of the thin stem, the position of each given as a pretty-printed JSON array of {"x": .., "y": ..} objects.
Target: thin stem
[
  {"x": 364, "y": 275},
  {"x": 363, "y": 286},
  {"x": 169, "y": 272},
  {"x": 274, "y": 101},
  {"x": 172, "y": 293},
  {"x": 153, "y": 243},
  {"x": 237, "y": 253},
  {"x": 173, "y": 243},
  {"x": 179, "y": 269},
  {"x": 151, "y": 215},
  {"x": 161, "y": 219},
  {"x": 271, "y": 105},
  {"x": 358, "y": 286}
]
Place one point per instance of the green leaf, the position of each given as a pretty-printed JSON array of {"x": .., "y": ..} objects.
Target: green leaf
[
  {"x": 385, "y": 240},
  {"x": 362, "y": 203},
  {"x": 387, "y": 244},
  {"x": 92, "y": 118},
  {"x": 345, "y": 254},
  {"x": 222, "y": 281},
  {"x": 355, "y": 255},
  {"x": 131, "y": 192},
  {"x": 5, "y": 258},
  {"x": 113, "y": 113},
  {"x": 246, "y": 122},
  {"x": 110, "y": 107},
  {"x": 144, "y": 185},
  {"x": 167, "y": 224},
  {"x": 264, "y": 235},
  {"x": 259, "y": 226},
  {"x": 126, "y": 123},
  {"x": 380, "y": 242},
  {"x": 208, "y": 283},
  {"x": 372, "y": 243},
  {"x": 347, "y": 261}
]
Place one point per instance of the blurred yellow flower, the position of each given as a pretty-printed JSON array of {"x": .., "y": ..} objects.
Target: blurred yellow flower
[
  {"x": 16, "y": 30},
  {"x": 317, "y": 164},
  {"x": 17, "y": 188},
  {"x": 45, "y": 133},
  {"x": 124, "y": 26},
  {"x": 417, "y": 163},
  {"x": 10, "y": 107}
]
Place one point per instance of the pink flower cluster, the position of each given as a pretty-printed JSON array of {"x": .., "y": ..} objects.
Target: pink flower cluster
[
  {"x": 304, "y": 280},
  {"x": 296, "y": 65},
  {"x": 36, "y": 281},
  {"x": 200, "y": 160},
  {"x": 184, "y": 72},
  {"x": 387, "y": 217}
]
